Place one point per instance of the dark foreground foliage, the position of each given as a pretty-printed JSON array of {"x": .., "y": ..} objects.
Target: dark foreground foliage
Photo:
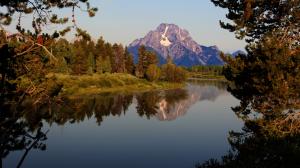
[{"x": 266, "y": 81}]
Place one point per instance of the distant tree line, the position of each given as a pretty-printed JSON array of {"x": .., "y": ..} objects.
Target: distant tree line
[
  {"x": 86, "y": 57},
  {"x": 210, "y": 69}
]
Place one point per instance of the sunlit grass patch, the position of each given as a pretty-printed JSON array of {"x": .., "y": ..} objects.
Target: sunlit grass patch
[{"x": 99, "y": 83}]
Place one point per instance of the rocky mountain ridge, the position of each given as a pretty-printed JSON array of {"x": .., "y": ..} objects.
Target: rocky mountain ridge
[{"x": 170, "y": 39}]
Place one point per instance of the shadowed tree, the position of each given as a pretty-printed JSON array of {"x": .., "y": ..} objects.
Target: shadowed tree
[
  {"x": 103, "y": 53},
  {"x": 32, "y": 49},
  {"x": 254, "y": 19},
  {"x": 42, "y": 12},
  {"x": 62, "y": 49},
  {"x": 129, "y": 62},
  {"x": 118, "y": 60},
  {"x": 267, "y": 78},
  {"x": 146, "y": 58},
  {"x": 80, "y": 58}
]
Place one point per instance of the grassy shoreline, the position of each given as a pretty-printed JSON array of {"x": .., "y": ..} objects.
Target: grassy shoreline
[
  {"x": 205, "y": 76},
  {"x": 101, "y": 83}
]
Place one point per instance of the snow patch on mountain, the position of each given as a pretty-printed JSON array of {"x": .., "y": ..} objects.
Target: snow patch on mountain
[{"x": 164, "y": 39}]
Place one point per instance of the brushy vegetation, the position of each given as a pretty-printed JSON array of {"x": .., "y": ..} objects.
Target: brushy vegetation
[
  {"x": 98, "y": 83},
  {"x": 92, "y": 66},
  {"x": 153, "y": 73},
  {"x": 198, "y": 75},
  {"x": 206, "y": 72}
]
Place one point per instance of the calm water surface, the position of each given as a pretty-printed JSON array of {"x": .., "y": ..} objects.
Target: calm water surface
[{"x": 176, "y": 128}]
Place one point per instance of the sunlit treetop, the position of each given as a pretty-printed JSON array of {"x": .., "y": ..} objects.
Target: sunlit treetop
[
  {"x": 42, "y": 13},
  {"x": 255, "y": 18}
]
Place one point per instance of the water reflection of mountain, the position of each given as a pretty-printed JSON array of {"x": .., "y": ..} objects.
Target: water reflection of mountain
[
  {"x": 22, "y": 125},
  {"x": 163, "y": 105},
  {"x": 195, "y": 91}
]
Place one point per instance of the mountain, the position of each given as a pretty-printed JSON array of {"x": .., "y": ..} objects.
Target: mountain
[{"x": 169, "y": 39}]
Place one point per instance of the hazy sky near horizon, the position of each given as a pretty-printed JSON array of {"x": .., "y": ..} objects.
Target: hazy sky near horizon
[{"x": 122, "y": 21}]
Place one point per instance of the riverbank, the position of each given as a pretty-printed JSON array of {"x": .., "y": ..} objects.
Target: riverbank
[
  {"x": 100, "y": 83},
  {"x": 205, "y": 76}
]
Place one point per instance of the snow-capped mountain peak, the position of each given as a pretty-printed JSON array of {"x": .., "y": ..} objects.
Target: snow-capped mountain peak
[{"x": 170, "y": 39}]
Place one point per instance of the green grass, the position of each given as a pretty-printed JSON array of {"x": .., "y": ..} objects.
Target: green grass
[{"x": 99, "y": 83}]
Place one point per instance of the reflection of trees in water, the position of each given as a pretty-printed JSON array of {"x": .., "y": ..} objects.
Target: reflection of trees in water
[
  {"x": 19, "y": 134},
  {"x": 256, "y": 148},
  {"x": 149, "y": 104},
  {"x": 270, "y": 137},
  {"x": 77, "y": 110},
  {"x": 21, "y": 124},
  {"x": 111, "y": 105},
  {"x": 267, "y": 140}
]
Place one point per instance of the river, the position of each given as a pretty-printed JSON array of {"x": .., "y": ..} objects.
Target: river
[{"x": 174, "y": 128}]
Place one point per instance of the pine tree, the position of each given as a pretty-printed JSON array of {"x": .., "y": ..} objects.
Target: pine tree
[
  {"x": 80, "y": 58},
  {"x": 146, "y": 58},
  {"x": 129, "y": 62},
  {"x": 266, "y": 79},
  {"x": 254, "y": 19},
  {"x": 140, "y": 71},
  {"x": 153, "y": 72},
  {"x": 103, "y": 65},
  {"x": 100, "y": 53},
  {"x": 113, "y": 59},
  {"x": 119, "y": 60},
  {"x": 107, "y": 58},
  {"x": 63, "y": 51},
  {"x": 151, "y": 58},
  {"x": 168, "y": 72}
]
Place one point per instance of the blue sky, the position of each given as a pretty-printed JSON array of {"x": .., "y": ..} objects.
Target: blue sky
[{"x": 123, "y": 21}]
